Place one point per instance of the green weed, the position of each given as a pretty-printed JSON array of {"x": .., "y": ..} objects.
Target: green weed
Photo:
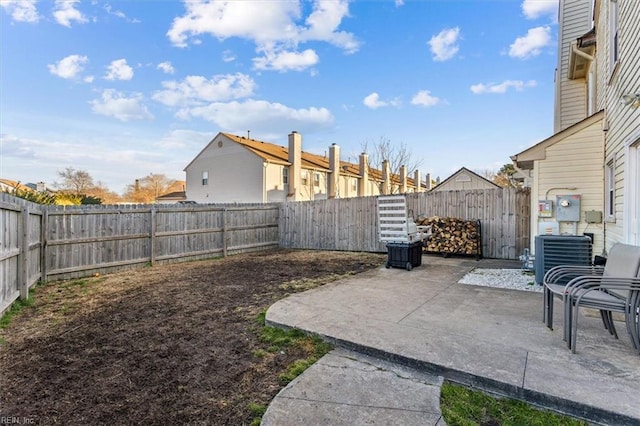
[
  {"x": 296, "y": 369},
  {"x": 462, "y": 406},
  {"x": 15, "y": 308}
]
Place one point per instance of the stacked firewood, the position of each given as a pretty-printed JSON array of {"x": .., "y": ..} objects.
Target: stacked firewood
[{"x": 453, "y": 236}]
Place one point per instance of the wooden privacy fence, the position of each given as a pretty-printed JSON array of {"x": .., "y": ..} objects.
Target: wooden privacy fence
[
  {"x": 80, "y": 240},
  {"x": 21, "y": 254},
  {"x": 350, "y": 223},
  {"x": 56, "y": 242}
]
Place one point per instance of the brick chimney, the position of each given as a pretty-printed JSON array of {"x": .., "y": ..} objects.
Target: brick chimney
[
  {"x": 403, "y": 179},
  {"x": 333, "y": 189},
  {"x": 364, "y": 175},
  {"x": 295, "y": 158},
  {"x": 416, "y": 181},
  {"x": 427, "y": 178},
  {"x": 386, "y": 178}
]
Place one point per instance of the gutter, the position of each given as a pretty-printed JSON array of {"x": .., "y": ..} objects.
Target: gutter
[{"x": 574, "y": 49}]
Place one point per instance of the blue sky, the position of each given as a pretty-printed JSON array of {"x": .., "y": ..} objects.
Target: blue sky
[{"x": 122, "y": 89}]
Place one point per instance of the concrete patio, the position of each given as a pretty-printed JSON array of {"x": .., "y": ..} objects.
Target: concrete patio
[{"x": 488, "y": 338}]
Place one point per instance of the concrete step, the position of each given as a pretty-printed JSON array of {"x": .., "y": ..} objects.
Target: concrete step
[{"x": 349, "y": 388}]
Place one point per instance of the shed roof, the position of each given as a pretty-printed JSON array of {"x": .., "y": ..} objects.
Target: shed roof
[{"x": 464, "y": 170}]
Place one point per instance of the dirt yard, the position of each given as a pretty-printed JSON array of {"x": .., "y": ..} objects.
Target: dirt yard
[{"x": 169, "y": 344}]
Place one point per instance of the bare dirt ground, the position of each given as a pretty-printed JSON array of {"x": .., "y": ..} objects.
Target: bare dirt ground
[{"x": 169, "y": 344}]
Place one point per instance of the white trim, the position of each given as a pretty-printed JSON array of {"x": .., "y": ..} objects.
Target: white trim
[
  {"x": 631, "y": 188},
  {"x": 614, "y": 34},
  {"x": 610, "y": 189}
]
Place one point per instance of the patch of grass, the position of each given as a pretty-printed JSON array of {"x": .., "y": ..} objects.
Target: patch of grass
[
  {"x": 296, "y": 369},
  {"x": 309, "y": 283},
  {"x": 257, "y": 410},
  {"x": 15, "y": 308},
  {"x": 279, "y": 340},
  {"x": 258, "y": 353},
  {"x": 462, "y": 406}
]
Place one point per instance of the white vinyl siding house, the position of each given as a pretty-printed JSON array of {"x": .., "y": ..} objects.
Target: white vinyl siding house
[
  {"x": 618, "y": 70},
  {"x": 568, "y": 163},
  {"x": 570, "y": 94},
  {"x": 611, "y": 57},
  {"x": 235, "y": 169},
  {"x": 220, "y": 159}
]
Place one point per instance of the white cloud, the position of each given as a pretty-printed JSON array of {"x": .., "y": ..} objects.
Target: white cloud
[
  {"x": 166, "y": 67},
  {"x": 65, "y": 12},
  {"x": 68, "y": 67},
  {"x": 195, "y": 90},
  {"x": 500, "y": 88},
  {"x": 260, "y": 116},
  {"x": 275, "y": 28},
  {"x": 245, "y": 19},
  {"x": 323, "y": 23},
  {"x": 425, "y": 99},
  {"x": 533, "y": 9},
  {"x": 530, "y": 44},
  {"x": 228, "y": 56},
  {"x": 373, "y": 101},
  {"x": 119, "y": 70},
  {"x": 118, "y": 13},
  {"x": 399, "y": 3},
  {"x": 117, "y": 105},
  {"x": 444, "y": 45},
  {"x": 21, "y": 10},
  {"x": 284, "y": 61}
]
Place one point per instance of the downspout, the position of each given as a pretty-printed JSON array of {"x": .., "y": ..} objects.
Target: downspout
[
  {"x": 265, "y": 164},
  {"x": 574, "y": 49}
]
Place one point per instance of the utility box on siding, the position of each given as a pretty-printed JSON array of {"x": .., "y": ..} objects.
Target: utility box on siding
[{"x": 568, "y": 208}]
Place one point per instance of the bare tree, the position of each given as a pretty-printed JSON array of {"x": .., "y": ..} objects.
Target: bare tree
[
  {"x": 503, "y": 177},
  {"x": 148, "y": 188},
  {"x": 74, "y": 181},
  {"x": 397, "y": 155},
  {"x": 79, "y": 185}
]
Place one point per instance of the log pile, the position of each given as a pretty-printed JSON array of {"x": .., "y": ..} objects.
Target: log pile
[{"x": 453, "y": 236}]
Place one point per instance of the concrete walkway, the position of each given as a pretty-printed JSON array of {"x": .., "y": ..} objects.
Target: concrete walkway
[{"x": 488, "y": 338}]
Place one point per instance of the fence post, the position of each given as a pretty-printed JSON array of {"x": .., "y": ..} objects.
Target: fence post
[
  {"x": 44, "y": 223},
  {"x": 152, "y": 256},
  {"x": 23, "y": 282},
  {"x": 224, "y": 232}
]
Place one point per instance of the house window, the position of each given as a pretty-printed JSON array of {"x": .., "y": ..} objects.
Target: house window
[
  {"x": 610, "y": 191},
  {"x": 285, "y": 175},
  {"x": 613, "y": 35},
  {"x": 305, "y": 177},
  {"x": 354, "y": 184},
  {"x": 205, "y": 178},
  {"x": 316, "y": 179}
]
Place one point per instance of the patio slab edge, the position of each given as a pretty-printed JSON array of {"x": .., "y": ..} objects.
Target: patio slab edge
[{"x": 591, "y": 414}]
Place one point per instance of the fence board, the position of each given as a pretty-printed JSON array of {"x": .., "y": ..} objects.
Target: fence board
[{"x": 351, "y": 224}]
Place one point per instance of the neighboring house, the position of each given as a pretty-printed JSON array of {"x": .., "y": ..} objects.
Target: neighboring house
[
  {"x": 241, "y": 170},
  {"x": 175, "y": 193},
  {"x": 595, "y": 149},
  {"x": 172, "y": 197},
  {"x": 464, "y": 179},
  {"x": 8, "y": 185}
]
